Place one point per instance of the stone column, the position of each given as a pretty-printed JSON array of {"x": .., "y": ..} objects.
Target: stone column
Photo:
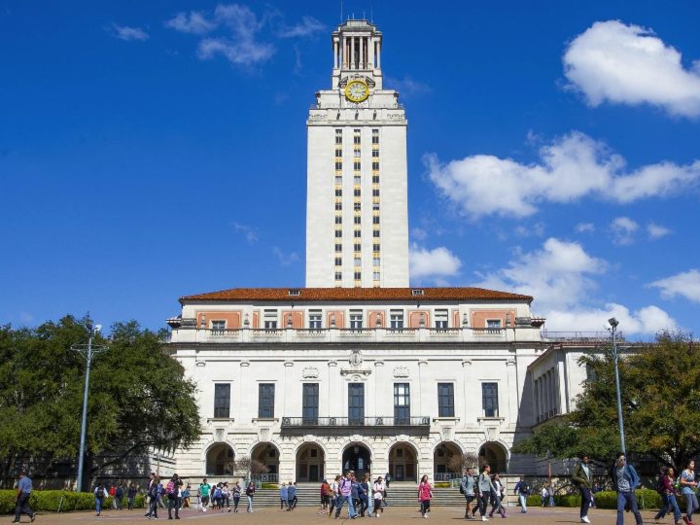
[
  {"x": 512, "y": 391},
  {"x": 421, "y": 391},
  {"x": 466, "y": 377},
  {"x": 352, "y": 53}
]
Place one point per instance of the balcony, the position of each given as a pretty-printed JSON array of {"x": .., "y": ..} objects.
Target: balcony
[
  {"x": 375, "y": 426},
  {"x": 192, "y": 334}
]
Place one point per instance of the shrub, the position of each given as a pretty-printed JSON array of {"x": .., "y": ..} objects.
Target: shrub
[
  {"x": 534, "y": 501},
  {"x": 266, "y": 485},
  {"x": 646, "y": 499},
  {"x": 442, "y": 485},
  {"x": 49, "y": 500}
]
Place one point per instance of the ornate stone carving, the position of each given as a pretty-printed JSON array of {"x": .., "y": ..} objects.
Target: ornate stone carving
[
  {"x": 401, "y": 371},
  {"x": 356, "y": 358},
  {"x": 310, "y": 372}
]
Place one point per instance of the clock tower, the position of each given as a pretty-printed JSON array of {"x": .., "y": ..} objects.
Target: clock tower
[{"x": 357, "y": 205}]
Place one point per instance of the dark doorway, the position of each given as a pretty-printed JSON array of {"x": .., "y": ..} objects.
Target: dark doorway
[{"x": 357, "y": 458}]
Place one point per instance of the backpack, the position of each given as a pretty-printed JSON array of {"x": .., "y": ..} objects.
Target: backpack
[
  {"x": 660, "y": 485},
  {"x": 153, "y": 491},
  {"x": 217, "y": 493},
  {"x": 100, "y": 493},
  {"x": 461, "y": 486},
  {"x": 170, "y": 488}
]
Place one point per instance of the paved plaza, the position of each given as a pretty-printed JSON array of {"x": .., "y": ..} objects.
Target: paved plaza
[{"x": 305, "y": 516}]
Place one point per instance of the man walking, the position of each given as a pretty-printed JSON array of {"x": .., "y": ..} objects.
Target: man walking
[
  {"x": 485, "y": 488},
  {"x": 625, "y": 479},
  {"x": 582, "y": 479},
  {"x": 467, "y": 487},
  {"x": 522, "y": 490},
  {"x": 24, "y": 490},
  {"x": 345, "y": 490}
]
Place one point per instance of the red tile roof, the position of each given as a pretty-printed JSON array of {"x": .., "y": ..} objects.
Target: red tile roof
[{"x": 355, "y": 294}]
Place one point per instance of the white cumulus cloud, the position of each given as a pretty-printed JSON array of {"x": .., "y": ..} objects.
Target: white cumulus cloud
[
  {"x": 628, "y": 64},
  {"x": 129, "y": 34},
  {"x": 195, "y": 23},
  {"x": 684, "y": 284},
  {"x": 432, "y": 263},
  {"x": 569, "y": 168},
  {"x": 561, "y": 278},
  {"x": 623, "y": 230}
]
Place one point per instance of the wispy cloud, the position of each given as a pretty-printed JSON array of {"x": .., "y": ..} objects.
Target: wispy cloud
[
  {"x": 656, "y": 231},
  {"x": 127, "y": 33},
  {"x": 585, "y": 227},
  {"x": 623, "y": 230},
  {"x": 195, "y": 23},
  {"x": 249, "y": 232},
  {"x": 285, "y": 259},
  {"x": 308, "y": 26}
]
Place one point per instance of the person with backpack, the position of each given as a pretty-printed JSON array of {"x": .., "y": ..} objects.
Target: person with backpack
[
  {"x": 325, "y": 497},
  {"x": 345, "y": 495},
  {"x": 216, "y": 496},
  {"x": 172, "y": 492},
  {"x": 154, "y": 493},
  {"x": 100, "y": 493},
  {"x": 522, "y": 490},
  {"x": 250, "y": 494},
  {"x": 186, "y": 497},
  {"x": 466, "y": 488},
  {"x": 665, "y": 487},
  {"x": 582, "y": 479},
  {"x": 688, "y": 487},
  {"x": 625, "y": 479},
  {"x": 204, "y": 491}
]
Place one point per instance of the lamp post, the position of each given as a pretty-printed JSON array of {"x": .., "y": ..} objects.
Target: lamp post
[
  {"x": 87, "y": 351},
  {"x": 613, "y": 325}
]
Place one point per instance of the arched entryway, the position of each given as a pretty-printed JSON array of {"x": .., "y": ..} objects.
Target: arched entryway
[
  {"x": 447, "y": 459},
  {"x": 220, "y": 460},
  {"x": 403, "y": 462},
  {"x": 311, "y": 462},
  {"x": 267, "y": 460},
  {"x": 495, "y": 455},
  {"x": 358, "y": 458}
]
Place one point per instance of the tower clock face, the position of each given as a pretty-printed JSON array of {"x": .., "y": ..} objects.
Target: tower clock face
[{"x": 356, "y": 91}]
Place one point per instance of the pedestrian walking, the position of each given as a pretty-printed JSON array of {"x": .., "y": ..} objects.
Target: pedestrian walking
[
  {"x": 250, "y": 494},
  {"x": 173, "y": 495},
  {"x": 100, "y": 494},
  {"x": 486, "y": 489},
  {"x": 544, "y": 495},
  {"x": 387, "y": 479},
  {"x": 468, "y": 488},
  {"x": 24, "y": 490},
  {"x": 522, "y": 490},
  {"x": 155, "y": 493},
  {"x": 334, "y": 497},
  {"x": 131, "y": 496},
  {"x": 345, "y": 495},
  {"x": 118, "y": 496},
  {"x": 236, "y": 496},
  {"x": 363, "y": 493},
  {"x": 216, "y": 496},
  {"x": 625, "y": 479},
  {"x": 582, "y": 479},
  {"x": 284, "y": 496},
  {"x": 425, "y": 494},
  {"x": 378, "y": 490},
  {"x": 112, "y": 493},
  {"x": 325, "y": 495},
  {"x": 497, "y": 497},
  {"x": 186, "y": 497},
  {"x": 204, "y": 492},
  {"x": 226, "y": 496},
  {"x": 355, "y": 492},
  {"x": 688, "y": 488},
  {"x": 666, "y": 488},
  {"x": 292, "y": 495},
  {"x": 149, "y": 488}
]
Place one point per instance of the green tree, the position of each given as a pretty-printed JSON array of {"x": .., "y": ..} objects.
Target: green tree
[
  {"x": 139, "y": 399},
  {"x": 660, "y": 390}
]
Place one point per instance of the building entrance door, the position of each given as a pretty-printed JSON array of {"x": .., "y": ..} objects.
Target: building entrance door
[
  {"x": 358, "y": 459},
  {"x": 313, "y": 473},
  {"x": 399, "y": 473}
]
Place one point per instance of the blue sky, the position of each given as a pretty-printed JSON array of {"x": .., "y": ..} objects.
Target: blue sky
[{"x": 150, "y": 150}]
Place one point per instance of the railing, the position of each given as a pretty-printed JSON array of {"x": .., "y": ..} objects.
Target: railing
[
  {"x": 377, "y": 421},
  {"x": 446, "y": 476},
  {"x": 579, "y": 337},
  {"x": 266, "y": 478}
]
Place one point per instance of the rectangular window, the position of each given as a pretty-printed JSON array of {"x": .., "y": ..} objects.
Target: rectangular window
[
  {"x": 356, "y": 139},
  {"x": 375, "y": 206},
  {"x": 375, "y": 153},
  {"x": 309, "y": 410},
  {"x": 338, "y": 206},
  {"x": 218, "y": 326},
  {"x": 338, "y": 179},
  {"x": 266, "y": 400},
  {"x": 396, "y": 319},
  {"x": 270, "y": 319},
  {"x": 375, "y": 179},
  {"x": 358, "y": 276},
  {"x": 338, "y": 276},
  {"x": 357, "y": 180},
  {"x": 338, "y": 247},
  {"x": 375, "y": 219},
  {"x": 357, "y": 247},
  {"x": 356, "y": 319},
  {"x": 338, "y": 152},
  {"x": 357, "y": 192},
  {"x": 338, "y": 165},
  {"x": 375, "y": 166},
  {"x": 375, "y": 247},
  {"x": 357, "y": 234},
  {"x": 489, "y": 399},
  {"x": 338, "y": 192},
  {"x": 446, "y": 400},
  {"x": 402, "y": 403},
  {"x": 441, "y": 319},
  {"x": 338, "y": 136},
  {"x": 375, "y": 233},
  {"x": 314, "y": 319},
  {"x": 357, "y": 219},
  {"x": 339, "y": 219},
  {"x": 356, "y": 153},
  {"x": 493, "y": 325},
  {"x": 357, "y": 165},
  {"x": 358, "y": 206},
  {"x": 375, "y": 192},
  {"x": 356, "y": 403},
  {"x": 357, "y": 261},
  {"x": 222, "y": 400},
  {"x": 376, "y": 276},
  {"x": 376, "y": 261},
  {"x": 338, "y": 233},
  {"x": 338, "y": 261}
]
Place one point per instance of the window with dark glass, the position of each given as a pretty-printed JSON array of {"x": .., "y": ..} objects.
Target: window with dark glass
[
  {"x": 446, "y": 400},
  {"x": 222, "y": 400},
  {"x": 402, "y": 403},
  {"x": 266, "y": 400},
  {"x": 489, "y": 399},
  {"x": 218, "y": 326},
  {"x": 315, "y": 319},
  {"x": 310, "y": 403},
  {"x": 356, "y": 403}
]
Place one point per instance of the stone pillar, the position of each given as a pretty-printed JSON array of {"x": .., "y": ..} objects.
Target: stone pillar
[
  {"x": 335, "y": 54},
  {"x": 466, "y": 381},
  {"x": 352, "y": 53},
  {"x": 243, "y": 374},
  {"x": 422, "y": 392},
  {"x": 379, "y": 55},
  {"x": 512, "y": 392}
]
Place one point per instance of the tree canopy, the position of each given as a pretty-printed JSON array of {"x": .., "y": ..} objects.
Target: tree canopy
[
  {"x": 138, "y": 397},
  {"x": 660, "y": 390}
]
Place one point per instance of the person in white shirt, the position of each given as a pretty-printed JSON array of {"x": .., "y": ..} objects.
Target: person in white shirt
[{"x": 378, "y": 490}]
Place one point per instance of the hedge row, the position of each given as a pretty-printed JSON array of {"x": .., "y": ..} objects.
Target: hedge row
[
  {"x": 49, "y": 500},
  {"x": 646, "y": 499}
]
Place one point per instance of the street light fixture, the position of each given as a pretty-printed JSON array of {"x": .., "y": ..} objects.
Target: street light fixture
[
  {"x": 87, "y": 351},
  {"x": 613, "y": 326}
]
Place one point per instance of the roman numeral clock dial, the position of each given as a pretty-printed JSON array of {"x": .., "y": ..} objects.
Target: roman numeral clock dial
[{"x": 356, "y": 91}]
